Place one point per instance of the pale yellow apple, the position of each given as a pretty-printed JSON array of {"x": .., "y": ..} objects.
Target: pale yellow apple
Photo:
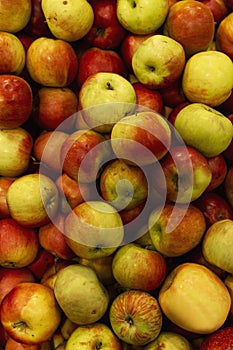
[
  {"x": 68, "y": 20},
  {"x": 195, "y": 298},
  {"x": 169, "y": 341},
  {"x": 15, "y": 15},
  {"x": 208, "y": 77},
  {"x": 80, "y": 294},
  {"x": 217, "y": 245},
  {"x": 229, "y": 283}
]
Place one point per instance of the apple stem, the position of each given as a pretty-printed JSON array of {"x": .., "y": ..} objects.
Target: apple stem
[
  {"x": 99, "y": 346},
  {"x": 21, "y": 325},
  {"x": 109, "y": 86}
]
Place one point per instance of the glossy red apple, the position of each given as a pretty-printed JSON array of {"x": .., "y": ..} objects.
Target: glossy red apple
[
  {"x": 222, "y": 339},
  {"x": 173, "y": 95},
  {"x": 106, "y": 31},
  {"x": 219, "y": 169},
  {"x": 218, "y": 7},
  {"x": 95, "y": 60},
  {"x": 148, "y": 98}
]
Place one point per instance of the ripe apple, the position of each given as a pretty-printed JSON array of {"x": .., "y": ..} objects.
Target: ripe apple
[
  {"x": 10, "y": 277},
  {"x": 217, "y": 245},
  {"x": 141, "y": 139},
  {"x": 19, "y": 13},
  {"x": 41, "y": 263},
  {"x": 53, "y": 106},
  {"x": 158, "y": 61},
  {"x": 106, "y": 32},
  {"x": 80, "y": 294},
  {"x": 18, "y": 245},
  {"x": 193, "y": 125},
  {"x": 228, "y": 186},
  {"x": 95, "y": 335},
  {"x": 143, "y": 17},
  {"x": 15, "y": 101},
  {"x": 32, "y": 200},
  {"x": 195, "y": 298},
  {"x": 94, "y": 229},
  {"x": 224, "y": 35},
  {"x": 214, "y": 207},
  {"x": 37, "y": 25},
  {"x": 50, "y": 274},
  {"x": 148, "y": 98},
  {"x": 66, "y": 20},
  {"x": 35, "y": 314},
  {"x": 83, "y": 153},
  {"x": 16, "y": 145},
  {"x": 191, "y": 23},
  {"x": 105, "y": 98},
  {"x": 222, "y": 339},
  {"x": 5, "y": 183},
  {"x": 12, "y": 344},
  {"x": 218, "y": 8},
  {"x": 135, "y": 317},
  {"x": 13, "y": 55},
  {"x": 95, "y": 59},
  {"x": 51, "y": 62},
  {"x": 124, "y": 186},
  {"x": 176, "y": 230},
  {"x": 169, "y": 341},
  {"x": 201, "y": 72},
  {"x": 173, "y": 95},
  {"x": 219, "y": 170},
  {"x": 135, "y": 267}
]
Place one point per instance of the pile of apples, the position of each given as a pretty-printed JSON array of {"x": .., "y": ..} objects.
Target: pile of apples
[{"x": 116, "y": 174}]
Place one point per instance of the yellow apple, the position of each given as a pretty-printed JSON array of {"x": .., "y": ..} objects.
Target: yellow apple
[
  {"x": 15, "y": 15},
  {"x": 13, "y": 55}
]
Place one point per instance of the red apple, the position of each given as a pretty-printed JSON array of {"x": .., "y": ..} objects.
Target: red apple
[
  {"x": 106, "y": 31},
  {"x": 228, "y": 153},
  {"x": 218, "y": 7},
  {"x": 222, "y": 339},
  {"x": 148, "y": 98},
  {"x": 51, "y": 62},
  {"x": 15, "y": 101},
  {"x": 173, "y": 113},
  {"x": 173, "y": 94},
  {"x": 214, "y": 207},
  {"x": 18, "y": 245},
  {"x": 53, "y": 108},
  {"x": 218, "y": 167},
  {"x": 37, "y": 25},
  {"x": 12, "y": 54},
  {"x": 95, "y": 60},
  {"x": 15, "y": 15},
  {"x": 12, "y": 344},
  {"x": 191, "y": 23},
  {"x": 5, "y": 183},
  {"x": 10, "y": 277},
  {"x": 224, "y": 35},
  {"x": 228, "y": 185},
  {"x": 41, "y": 263}
]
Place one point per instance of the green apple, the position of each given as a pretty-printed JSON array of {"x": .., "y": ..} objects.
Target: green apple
[
  {"x": 217, "y": 245},
  {"x": 105, "y": 98},
  {"x": 159, "y": 61},
  {"x": 204, "y": 128},
  {"x": 208, "y": 78},
  {"x": 142, "y": 16},
  {"x": 66, "y": 19},
  {"x": 80, "y": 294},
  {"x": 169, "y": 341}
]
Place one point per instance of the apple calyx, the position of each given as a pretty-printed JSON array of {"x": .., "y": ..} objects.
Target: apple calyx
[
  {"x": 20, "y": 325},
  {"x": 109, "y": 86}
]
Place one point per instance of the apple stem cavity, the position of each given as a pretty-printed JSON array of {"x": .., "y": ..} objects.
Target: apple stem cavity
[
  {"x": 21, "y": 325},
  {"x": 99, "y": 346},
  {"x": 129, "y": 320}
]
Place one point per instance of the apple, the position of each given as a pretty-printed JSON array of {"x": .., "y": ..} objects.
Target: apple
[
  {"x": 66, "y": 20},
  {"x": 135, "y": 267},
  {"x": 106, "y": 97},
  {"x": 95, "y": 59},
  {"x": 148, "y": 98},
  {"x": 94, "y": 335},
  {"x": 228, "y": 186},
  {"x": 32, "y": 200},
  {"x": 80, "y": 294},
  {"x": 133, "y": 219},
  {"x": 216, "y": 245},
  {"x": 94, "y": 229},
  {"x": 19, "y": 12},
  {"x": 51, "y": 62},
  {"x": 141, "y": 138},
  {"x": 16, "y": 145},
  {"x": 43, "y": 261},
  {"x": 37, "y": 25},
  {"x": 124, "y": 186},
  {"x": 169, "y": 341},
  {"x": 135, "y": 317},
  {"x": 176, "y": 230},
  {"x": 12, "y": 344},
  {"x": 219, "y": 170},
  {"x": 13, "y": 55},
  {"x": 18, "y": 245},
  {"x": 5, "y": 183},
  {"x": 228, "y": 153},
  {"x": 158, "y": 61},
  {"x": 200, "y": 74},
  {"x": 49, "y": 276},
  {"x": 51, "y": 237},
  {"x": 173, "y": 95},
  {"x": 10, "y": 277},
  {"x": 219, "y": 9},
  {"x": 35, "y": 315},
  {"x": 129, "y": 45},
  {"x": 53, "y": 107},
  {"x": 221, "y": 339},
  {"x": 142, "y": 17},
  {"x": 106, "y": 31},
  {"x": 191, "y": 23},
  {"x": 195, "y": 298},
  {"x": 192, "y": 123},
  {"x": 15, "y": 101},
  {"x": 229, "y": 283},
  {"x": 224, "y": 34},
  {"x": 83, "y": 153}
]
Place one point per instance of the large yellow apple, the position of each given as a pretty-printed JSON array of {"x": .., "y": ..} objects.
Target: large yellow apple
[
  {"x": 68, "y": 20},
  {"x": 15, "y": 15}
]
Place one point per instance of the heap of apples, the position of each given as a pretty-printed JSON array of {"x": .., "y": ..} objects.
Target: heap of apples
[{"x": 116, "y": 174}]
